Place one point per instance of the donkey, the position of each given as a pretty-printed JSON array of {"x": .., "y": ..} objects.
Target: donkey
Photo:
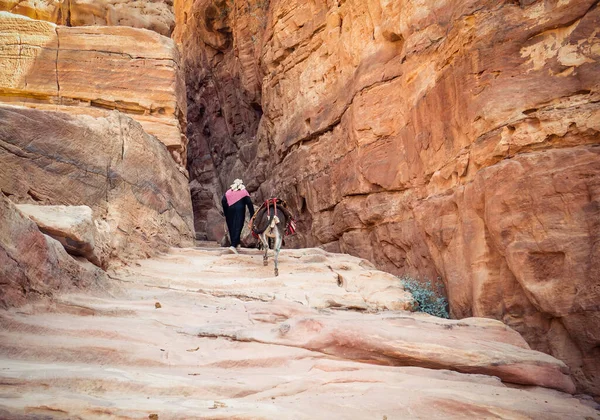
[{"x": 270, "y": 223}]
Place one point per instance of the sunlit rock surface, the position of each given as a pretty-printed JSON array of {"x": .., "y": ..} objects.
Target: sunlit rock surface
[
  {"x": 156, "y": 15},
  {"x": 92, "y": 70}
]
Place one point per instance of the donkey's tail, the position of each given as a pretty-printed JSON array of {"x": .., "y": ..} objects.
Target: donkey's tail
[{"x": 259, "y": 231}]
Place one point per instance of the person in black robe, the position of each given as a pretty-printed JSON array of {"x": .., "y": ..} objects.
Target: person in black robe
[{"x": 234, "y": 202}]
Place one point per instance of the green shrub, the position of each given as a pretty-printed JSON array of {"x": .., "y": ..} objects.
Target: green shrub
[{"x": 429, "y": 300}]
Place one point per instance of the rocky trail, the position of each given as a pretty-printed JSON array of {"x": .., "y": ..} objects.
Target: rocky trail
[{"x": 201, "y": 333}]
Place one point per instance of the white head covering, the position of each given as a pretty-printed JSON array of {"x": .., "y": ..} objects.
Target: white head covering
[{"x": 237, "y": 185}]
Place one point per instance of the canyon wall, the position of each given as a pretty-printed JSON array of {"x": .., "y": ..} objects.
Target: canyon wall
[
  {"x": 224, "y": 80},
  {"x": 91, "y": 118},
  {"x": 451, "y": 139}
]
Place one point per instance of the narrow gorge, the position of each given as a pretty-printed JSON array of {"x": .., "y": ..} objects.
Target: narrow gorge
[{"x": 451, "y": 142}]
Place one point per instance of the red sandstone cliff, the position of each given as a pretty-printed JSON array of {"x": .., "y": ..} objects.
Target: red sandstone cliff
[{"x": 456, "y": 139}]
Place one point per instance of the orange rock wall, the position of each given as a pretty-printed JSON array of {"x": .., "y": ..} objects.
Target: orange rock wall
[
  {"x": 89, "y": 70},
  {"x": 155, "y": 15},
  {"x": 456, "y": 139}
]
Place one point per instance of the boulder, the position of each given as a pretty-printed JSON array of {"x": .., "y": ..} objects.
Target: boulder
[
  {"x": 34, "y": 265},
  {"x": 215, "y": 225},
  {"x": 72, "y": 226}
]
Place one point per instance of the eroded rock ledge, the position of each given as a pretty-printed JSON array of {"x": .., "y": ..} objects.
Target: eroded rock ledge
[{"x": 34, "y": 265}]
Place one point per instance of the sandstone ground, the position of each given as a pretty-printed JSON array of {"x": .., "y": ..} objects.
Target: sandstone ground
[{"x": 201, "y": 333}]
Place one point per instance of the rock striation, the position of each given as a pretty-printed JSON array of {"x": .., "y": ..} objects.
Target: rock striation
[
  {"x": 92, "y": 70},
  {"x": 139, "y": 199},
  {"x": 453, "y": 139},
  {"x": 201, "y": 333},
  {"x": 154, "y": 15}
]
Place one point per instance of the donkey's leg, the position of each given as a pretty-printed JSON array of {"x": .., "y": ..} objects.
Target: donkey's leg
[
  {"x": 265, "y": 242},
  {"x": 278, "y": 241}
]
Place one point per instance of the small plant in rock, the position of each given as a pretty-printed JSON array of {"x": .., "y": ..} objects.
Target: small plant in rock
[{"x": 430, "y": 298}]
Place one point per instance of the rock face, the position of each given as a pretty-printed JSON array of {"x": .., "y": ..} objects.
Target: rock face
[
  {"x": 155, "y": 15},
  {"x": 139, "y": 199},
  {"x": 91, "y": 70},
  {"x": 453, "y": 139},
  {"x": 200, "y": 333},
  {"x": 33, "y": 264}
]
